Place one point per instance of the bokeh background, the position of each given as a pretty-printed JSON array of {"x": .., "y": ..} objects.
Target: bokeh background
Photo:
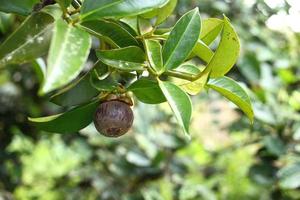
[{"x": 227, "y": 157}]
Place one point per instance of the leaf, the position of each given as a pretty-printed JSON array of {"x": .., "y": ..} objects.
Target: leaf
[
  {"x": 203, "y": 51},
  {"x": 147, "y": 91},
  {"x": 127, "y": 59},
  {"x": 92, "y": 9},
  {"x": 194, "y": 87},
  {"x": 182, "y": 39},
  {"x": 68, "y": 122},
  {"x": 179, "y": 102},
  {"x": 79, "y": 92},
  {"x": 289, "y": 176},
  {"x": 234, "y": 92},
  {"x": 111, "y": 32},
  {"x": 211, "y": 28},
  {"x": 227, "y": 52},
  {"x": 29, "y": 41},
  {"x": 21, "y": 7},
  {"x": 274, "y": 145},
  {"x": 108, "y": 84},
  {"x": 154, "y": 53},
  {"x": 69, "y": 50},
  {"x": 165, "y": 12},
  {"x": 144, "y": 26},
  {"x": 6, "y": 22}
]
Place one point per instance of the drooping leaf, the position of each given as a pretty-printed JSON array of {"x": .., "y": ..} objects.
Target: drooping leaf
[
  {"x": 127, "y": 59},
  {"x": 182, "y": 39},
  {"x": 234, "y": 92},
  {"x": 111, "y": 32},
  {"x": 203, "y": 51},
  {"x": 227, "y": 52},
  {"x": 69, "y": 50},
  {"x": 211, "y": 28},
  {"x": 92, "y": 9},
  {"x": 179, "y": 102},
  {"x": 68, "y": 122},
  {"x": 147, "y": 91},
  {"x": 154, "y": 53},
  {"x": 31, "y": 40},
  {"x": 165, "y": 12},
  {"x": 79, "y": 92},
  {"x": 21, "y": 7}
]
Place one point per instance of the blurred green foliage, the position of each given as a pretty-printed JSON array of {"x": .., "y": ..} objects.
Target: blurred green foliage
[{"x": 226, "y": 158}]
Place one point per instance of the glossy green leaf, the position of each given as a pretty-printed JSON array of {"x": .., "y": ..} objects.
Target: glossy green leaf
[
  {"x": 147, "y": 91},
  {"x": 68, "y": 122},
  {"x": 227, "y": 52},
  {"x": 64, "y": 4},
  {"x": 111, "y": 31},
  {"x": 154, "y": 53},
  {"x": 179, "y": 102},
  {"x": 21, "y": 7},
  {"x": 92, "y": 9},
  {"x": 182, "y": 39},
  {"x": 128, "y": 59},
  {"x": 234, "y": 92},
  {"x": 31, "y": 40},
  {"x": 211, "y": 28},
  {"x": 79, "y": 92},
  {"x": 203, "y": 51},
  {"x": 166, "y": 11},
  {"x": 69, "y": 50}
]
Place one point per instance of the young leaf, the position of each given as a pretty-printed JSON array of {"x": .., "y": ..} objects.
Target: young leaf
[
  {"x": 182, "y": 39},
  {"x": 92, "y": 9},
  {"x": 29, "y": 41},
  {"x": 68, "y": 122},
  {"x": 179, "y": 102},
  {"x": 147, "y": 91},
  {"x": 154, "y": 53},
  {"x": 69, "y": 50},
  {"x": 203, "y": 51},
  {"x": 127, "y": 59},
  {"x": 234, "y": 92},
  {"x": 79, "y": 92},
  {"x": 166, "y": 11},
  {"x": 21, "y": 7},
  {"x": 211, "y": 28},
  {"x": 111, "y": 32},
  {"x": 227, "y": 52}
]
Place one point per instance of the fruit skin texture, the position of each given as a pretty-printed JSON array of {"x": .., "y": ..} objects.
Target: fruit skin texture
[{"x": 113, "y": 118}]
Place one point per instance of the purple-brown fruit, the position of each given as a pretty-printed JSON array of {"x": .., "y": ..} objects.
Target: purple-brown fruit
[{"x": 113, "y": 118}]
